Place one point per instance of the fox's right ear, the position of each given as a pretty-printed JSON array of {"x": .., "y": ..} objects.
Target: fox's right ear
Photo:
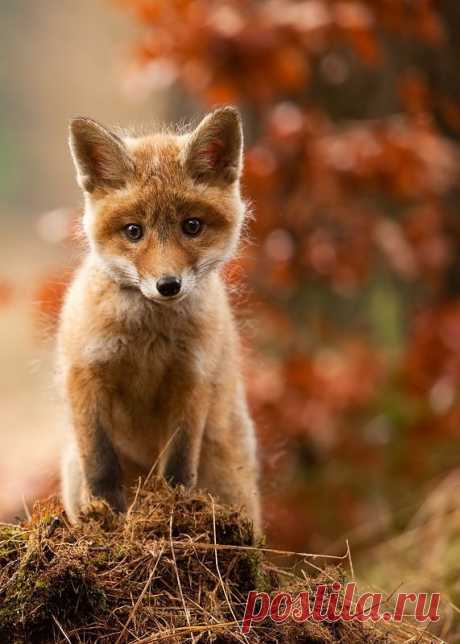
[{"x": 100, "y": 156}]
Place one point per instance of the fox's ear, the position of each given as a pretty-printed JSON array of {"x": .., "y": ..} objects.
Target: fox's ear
[
  {"x": 100, "y": 156},
  {"x": 214, "y": 151}
]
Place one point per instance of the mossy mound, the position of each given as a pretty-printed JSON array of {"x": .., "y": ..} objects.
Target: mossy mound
[{"x": 176, "y": 568}]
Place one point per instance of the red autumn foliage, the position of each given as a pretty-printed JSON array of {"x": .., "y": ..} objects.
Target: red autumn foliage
[
  {"x": 48, "y": 298},
  {"x": 351, "y": 273}
]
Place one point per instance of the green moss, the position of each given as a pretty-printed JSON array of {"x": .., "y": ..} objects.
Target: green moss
[
  {"x": 30, "y": 601},
  {"x": 12, "y": 540},
  {"x": 263, "y": 580},
  {"x": 121, "y": 551}
]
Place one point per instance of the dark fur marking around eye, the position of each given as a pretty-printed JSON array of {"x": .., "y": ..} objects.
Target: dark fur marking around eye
[{"x": 202, "y": 210}]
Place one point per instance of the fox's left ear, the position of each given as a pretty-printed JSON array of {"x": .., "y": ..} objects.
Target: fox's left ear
[{"x": 214, "y": 151}]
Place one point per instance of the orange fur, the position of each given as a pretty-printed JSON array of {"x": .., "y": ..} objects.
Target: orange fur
[{"x": 146, "y": 378}]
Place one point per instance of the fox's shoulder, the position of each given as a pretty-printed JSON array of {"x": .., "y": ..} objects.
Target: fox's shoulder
[
  {"x": 85, "y": 289},
  {"x": 87, "y": 305}
]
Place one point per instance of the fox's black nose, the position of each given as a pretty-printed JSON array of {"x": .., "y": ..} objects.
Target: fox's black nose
[{"x": 168, "y": 286}]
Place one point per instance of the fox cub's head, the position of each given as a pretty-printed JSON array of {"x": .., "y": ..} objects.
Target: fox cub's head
[{"x": 162, "y": 211}]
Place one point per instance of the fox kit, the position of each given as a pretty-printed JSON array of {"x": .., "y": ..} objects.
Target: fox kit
[{"x": 148, "y": 350}]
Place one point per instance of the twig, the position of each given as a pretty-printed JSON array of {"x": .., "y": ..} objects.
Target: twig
[
  {"x": 288, "y": 553},
  {"x": 61, "y": 629},
  {"x": 183, "y": 630},
  {"x": 163, "y": 451},
  {"x": 26, "y": 508},
  {"x": 352, "y": 570},
  {"x": 187, "y": 615},
  {"x": 140, "y": 598},
  {"x": 217, "y": 563},
  {"x": 130, "y": 509}
]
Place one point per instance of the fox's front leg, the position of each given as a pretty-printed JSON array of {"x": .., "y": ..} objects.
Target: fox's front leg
[
  {"x": 183, "y": 457},
  {"x": 101, "y": 468},
  {"x": 185, "y": 449},
  {"x": 101, "y": 471}
]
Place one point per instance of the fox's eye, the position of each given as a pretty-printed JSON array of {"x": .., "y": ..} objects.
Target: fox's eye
[
  {"x": 133, "y": 232},
  {"x": 191, "y": 227}
]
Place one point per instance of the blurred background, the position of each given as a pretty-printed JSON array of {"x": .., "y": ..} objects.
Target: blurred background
[{"x": 348, "y": 285}]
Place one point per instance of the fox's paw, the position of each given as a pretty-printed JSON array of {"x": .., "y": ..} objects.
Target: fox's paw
[{"x": 103, "y": 511}]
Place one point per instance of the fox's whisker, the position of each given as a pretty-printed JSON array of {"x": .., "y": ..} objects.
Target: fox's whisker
[{"x": 209, "y": 265}]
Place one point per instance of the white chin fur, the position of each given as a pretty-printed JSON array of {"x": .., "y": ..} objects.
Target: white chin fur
[
  {"x": 120, "y": 269},
  {"x": 164, "y": 300}
]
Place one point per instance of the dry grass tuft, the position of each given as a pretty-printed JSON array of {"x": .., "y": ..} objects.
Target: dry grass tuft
[
  {"x": 425, "y": 557},
  {"x": 177, "y": 568}
]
